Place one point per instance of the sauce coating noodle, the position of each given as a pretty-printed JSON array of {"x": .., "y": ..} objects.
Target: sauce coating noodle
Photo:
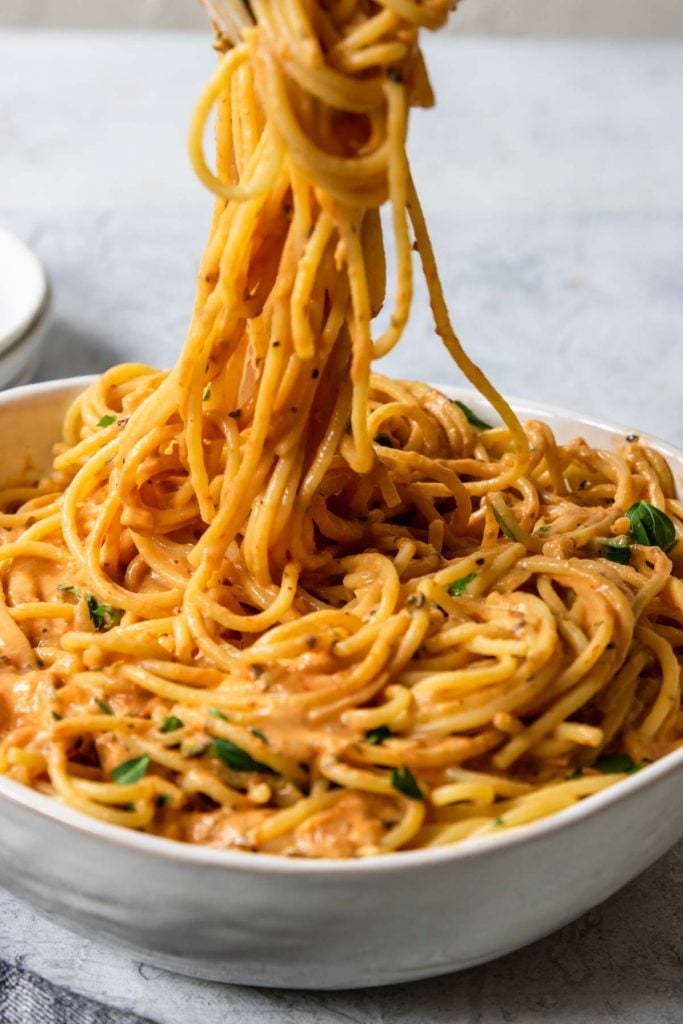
[{"x": 271, "y": 600}]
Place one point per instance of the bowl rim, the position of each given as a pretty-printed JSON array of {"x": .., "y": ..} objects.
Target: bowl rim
[{"x": 236, "y": 860}]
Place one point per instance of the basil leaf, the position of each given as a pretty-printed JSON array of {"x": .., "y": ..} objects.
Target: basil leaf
[
  {"x": 171, "y": 723},
  {"x": 458, "y": 587},
  {"x": 472, "y": 417},
  {"x": 615, "y": 764},
  {"x": 405, "y": 782},
  {"x": 131, "y": 770},
  {"x": 384, "y": 440},
  {"x": 616, "y": 549},
  {"x": 651, "y": 527},
  {"x": 505, "y": 527},
  {"x": 106, "y": 421},
  {"x": 102, "y": 616},
  {"x": 378, "y": 735},
  {"x": 237, "y": 759},
  {"x": 104, "y": 707}
]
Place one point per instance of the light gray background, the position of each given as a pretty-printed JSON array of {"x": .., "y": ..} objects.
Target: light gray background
[
  {"x": 658, "y": 19},
  {"x": 553, "y": 181}
]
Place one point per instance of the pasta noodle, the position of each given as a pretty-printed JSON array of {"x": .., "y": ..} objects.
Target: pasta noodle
[{"x": 274, "y": 601}]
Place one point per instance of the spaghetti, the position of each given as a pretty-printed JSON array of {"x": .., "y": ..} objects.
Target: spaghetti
[{"x": 270, "y": 600}]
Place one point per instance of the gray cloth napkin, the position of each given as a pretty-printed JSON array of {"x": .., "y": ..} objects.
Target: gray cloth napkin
[{"x": 27, "y": 999}]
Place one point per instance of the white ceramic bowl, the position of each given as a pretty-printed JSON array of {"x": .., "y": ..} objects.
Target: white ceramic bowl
[
  {"x": 18, "y": 362},
  {"x": 263, "y": 920},
  {"x": 23, "y": 289},
  {"x": 25, "y": 310}
]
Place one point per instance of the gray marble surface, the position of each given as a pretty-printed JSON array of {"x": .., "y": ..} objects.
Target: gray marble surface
[{"x": 553, "y": 182}]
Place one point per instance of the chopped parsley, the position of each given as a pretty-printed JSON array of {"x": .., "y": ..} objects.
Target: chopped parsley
[
  {"x": 237, "y": 759},
  {"x": 472, "y": 417},
  {"x": 217, "y": 713},
  {"x": 56, "y": 716},
  {"x": 497, "y": 822},
  {"x": 651, "y": 527},
  {"x": 458, "y": 587},
  {"x": 102, "y": 616},
  {"x": 543, "y": 529},
  {"x": 405, "y": 782},
  {"x": 130, "y": 771},
  {"x": 259, "y": 735},
  {"x": 378, "y": 735},
  {"x": 104, "y": 706},
  {"x": 171, "y": 723},
  {"x": 106, "y": 421},
  {"x": 206, "y": 394}
]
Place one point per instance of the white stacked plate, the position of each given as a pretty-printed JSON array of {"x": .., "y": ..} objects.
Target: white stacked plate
[{"x": 24, "y": 310}]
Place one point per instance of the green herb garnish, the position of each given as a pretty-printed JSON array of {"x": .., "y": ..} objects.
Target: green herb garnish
[
  {"x": 102, "y": 616},
  {"x": 543, "y": 529},
  {"x": 378, "y": 735},
  {"x": 497, "y": 822},
  {"x": 171, "y": 723},
  {"x": 104, "y": 707},
  {"x": 651, "y": 527},
  {"x": 458, "y": 587},
  {"x": 616, "y": 549},
  {"x": 405, "y": 782},
  {"x": 504, "y": 525},
  {"x": 106, "y": 421},
  {"x": 57, "y": 717},
  {"x": 130, "y": 771},
  {"x": 206, "y": 394},
  {"x": 472, "y": 417},
  {"x": 237, "y": 759},
  {"x": 217, "y": 713},
  {"x": 162, "y": 800},
  {"x": 616, "y": 764},
  {"x": 259, "y": 735},
  {"x": 384, "y": 440}
]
